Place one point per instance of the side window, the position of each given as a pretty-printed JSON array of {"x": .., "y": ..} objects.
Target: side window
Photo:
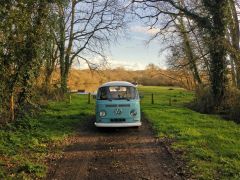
[
  {"x": 136, "y": 94},
  {"x": 132, "y": 92},
  {"x": 102, "y": 93}
]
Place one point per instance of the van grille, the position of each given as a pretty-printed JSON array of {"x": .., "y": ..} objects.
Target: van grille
[
  {"x": 111, "y": 105},
  {"x": 118, "y": 120},
  {"x": 124, "y": 105}
]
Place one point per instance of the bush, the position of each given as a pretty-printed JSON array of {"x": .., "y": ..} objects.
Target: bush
[
  {"x": 43, "y": 94},
  {"x": 232, "y": 104},
  {"x": 203, "y": 101},
  {"x": 229, "y": 109}
]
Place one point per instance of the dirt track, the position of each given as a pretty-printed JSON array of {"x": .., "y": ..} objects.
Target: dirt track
[{"x": 115, "y": 154}]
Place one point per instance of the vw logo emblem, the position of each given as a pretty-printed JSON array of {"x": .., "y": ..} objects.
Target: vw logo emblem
[{"x": 118, "y": 111}]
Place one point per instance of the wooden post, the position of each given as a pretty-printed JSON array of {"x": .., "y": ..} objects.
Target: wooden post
[
  {"x": 89, "y": 98},
  {"x": 152, "y": 99},
  {"x": 12, "y": 108},
  {"x": 170, "y": 102},
  {"x": 70, "y": 98}
]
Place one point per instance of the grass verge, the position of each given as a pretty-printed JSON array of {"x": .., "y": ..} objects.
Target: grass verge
[
  {"x": 210, "y": 144},
  {"x": 26, "y": 144}
]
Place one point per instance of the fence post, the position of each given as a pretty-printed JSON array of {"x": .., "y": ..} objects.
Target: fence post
[
  {"x": 152, "y": 99},
  {"x": 89, "y": 98},
  {"x": 170, "y": 102},
  {"x": 12, "y": 107},
  {"x": 70, "y": 98}
]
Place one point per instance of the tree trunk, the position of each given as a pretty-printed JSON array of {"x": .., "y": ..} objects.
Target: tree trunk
[
  {"x": 201, "y": 51},
  {"x": 48, "y": 78},
  {"x": 64, "y": 79},
  {"x": 233, "y": 72},
  {"x": 65, "y": 61},
  {"x": 30, "y": 54},
  {"x": 235, "y": 32},
  {"x": 218, "y": 53},
  {"x": 12, "y": 113},
  {"x": 62, "y": 51},
  {"x": 189, "y": 52}
]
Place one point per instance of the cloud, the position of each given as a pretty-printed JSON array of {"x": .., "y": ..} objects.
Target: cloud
[
  {"x": 111, "y": 63},
  {"x": 145, "y": 30},
  {"x": 93, "y": 61},
  {"x": 128, "y": 64}
]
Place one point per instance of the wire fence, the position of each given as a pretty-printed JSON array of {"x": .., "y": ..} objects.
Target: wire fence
[
  {"x": 168, "y": 97},
  {"x": 157, "y": 98},
  {"x": 146, "y": 98}
]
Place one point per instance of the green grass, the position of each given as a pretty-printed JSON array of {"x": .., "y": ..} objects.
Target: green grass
[
  {"x": 210, "y": 144},
  {"x": 26, "y": 144}
]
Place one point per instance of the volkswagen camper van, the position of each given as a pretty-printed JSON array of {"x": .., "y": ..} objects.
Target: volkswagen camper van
[{"x": 118, "y": 105}]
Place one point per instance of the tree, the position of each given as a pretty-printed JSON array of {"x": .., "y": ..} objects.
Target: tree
[
  {"x": 233, "y": 37},
  {"x": 84, "y": 28},
  {"x": 22, "y": 26},
  {"x": 210, "y": 16},
  {"x": 188, "y": 49}
]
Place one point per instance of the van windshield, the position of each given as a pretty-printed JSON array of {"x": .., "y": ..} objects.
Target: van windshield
[{"x": 117, "y": 93}]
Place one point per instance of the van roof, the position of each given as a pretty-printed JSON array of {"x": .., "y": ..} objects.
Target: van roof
[{"x": 117, "y": 83}]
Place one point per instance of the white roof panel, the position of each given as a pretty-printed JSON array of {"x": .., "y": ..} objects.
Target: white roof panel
[{"x": 117, "y": 83}]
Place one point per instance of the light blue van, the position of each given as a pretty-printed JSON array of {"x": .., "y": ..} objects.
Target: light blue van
[{"x": 118, "y": 105}]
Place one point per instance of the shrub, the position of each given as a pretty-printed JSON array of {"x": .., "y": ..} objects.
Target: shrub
[
  {"x": 203, "y": 101},
  {"x": 229, "y": 109},
  {"x": 232, "y": 104}
]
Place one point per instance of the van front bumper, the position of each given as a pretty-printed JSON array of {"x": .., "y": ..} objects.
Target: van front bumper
[{"x": 135, "y": 124}]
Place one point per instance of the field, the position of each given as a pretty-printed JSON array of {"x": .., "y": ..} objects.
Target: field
[{"x": 209, "y": 145}]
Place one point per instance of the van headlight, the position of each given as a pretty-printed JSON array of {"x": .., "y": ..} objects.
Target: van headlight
[
  {"x": 102, "y": 113},
  {"x": 133, "y": 112}
]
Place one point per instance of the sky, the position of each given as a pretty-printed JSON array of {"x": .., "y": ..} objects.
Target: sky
[{"x": 132, "y": 51}]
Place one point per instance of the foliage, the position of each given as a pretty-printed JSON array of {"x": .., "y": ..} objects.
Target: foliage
[
  {"x": 89, "y": 80},
  {"x": 27, "y": 143},
  {"x": 36, "y": 35},
  {"x": 83, "y": 29},
  {"x": 232, "y": 104},
  {"x": 203, "y": 101},
  {"x": 202, "y": 36},
  {"x": 22, "y": 30},
  {"x": 229, "y": 109},
  {"x": 209, "y": 145}
]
